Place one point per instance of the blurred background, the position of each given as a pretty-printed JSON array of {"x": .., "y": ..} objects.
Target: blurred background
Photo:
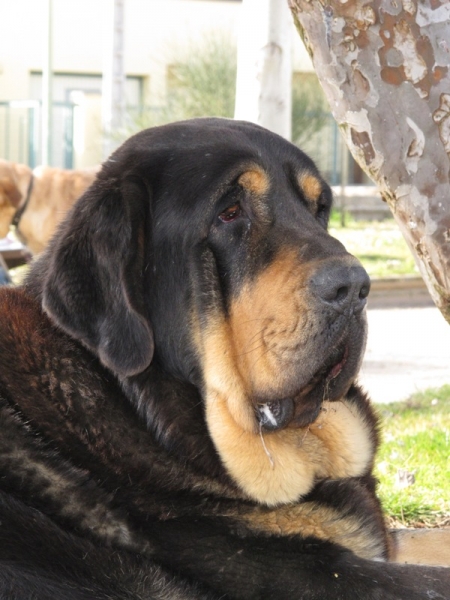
[
  {"x": 77, "y": 77},
  {"x": 177, "y": 59}
]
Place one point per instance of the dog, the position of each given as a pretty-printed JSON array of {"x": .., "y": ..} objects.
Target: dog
[
  {"x": 179, "y": 412},
  {"x": 36, "y": 201},
  {"x": 14, "y": 182}
]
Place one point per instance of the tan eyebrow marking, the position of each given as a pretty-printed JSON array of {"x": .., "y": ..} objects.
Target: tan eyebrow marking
[
  {"x": 255, "y": 181},
  {"x": 310, "y": 186}
]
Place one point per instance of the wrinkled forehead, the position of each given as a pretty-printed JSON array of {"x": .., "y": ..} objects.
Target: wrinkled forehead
[
  {"x": 205, "y": 149},
  {"x": 201, "y": 161},
  {"x": 237, "y": 143}
]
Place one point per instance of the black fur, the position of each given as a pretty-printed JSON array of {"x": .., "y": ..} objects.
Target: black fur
[{"x": 110, "y": 484}]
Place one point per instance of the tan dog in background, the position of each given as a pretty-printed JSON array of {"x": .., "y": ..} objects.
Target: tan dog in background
[
  {"x": 14, "y": 181},
  {"x": 41, "y": 196}
]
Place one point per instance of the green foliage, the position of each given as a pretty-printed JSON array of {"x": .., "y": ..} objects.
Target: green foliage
[
  {"x": 416, "y": 438},
  {"x": 202, "y": 82},
  {"x": 309, "y": 108}
]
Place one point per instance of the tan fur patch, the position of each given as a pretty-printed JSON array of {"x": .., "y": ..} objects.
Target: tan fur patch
[
  {"x": 235, "y": 356},
  {"x": 250, "y": 353},
  {"x": 422, "y": 546},
  {"x": 271, "y": 469},
  {"x": 9, "y": 193},
  {"x": 14, "y": 180},
  {"x": 222, "y": 376},
  {"x": 281, "y": 467},
  {"x": 322, "y": 522},
  {"x": 266, "y": 322},
  {"x": 310, "y": 186},
  {"x": 255, "y": 181},
  {"x": 271, "y": 322},
  {"x": 7, "y": 213},
  {"x": 347, "y": 437}
]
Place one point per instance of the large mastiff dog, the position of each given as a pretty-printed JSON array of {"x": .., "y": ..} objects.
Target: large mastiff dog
[
  {"x": 179, "y": 418},
  {"x": 35, "y": 202}
]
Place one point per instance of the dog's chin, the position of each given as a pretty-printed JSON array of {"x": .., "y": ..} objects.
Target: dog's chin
[{"x": 331, "y": 382}]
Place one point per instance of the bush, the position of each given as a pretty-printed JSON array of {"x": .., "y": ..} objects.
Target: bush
[{"x": 203, "y": 83}]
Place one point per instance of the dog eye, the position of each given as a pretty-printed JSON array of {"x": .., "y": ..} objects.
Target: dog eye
[{"x": 231, "y": 213}]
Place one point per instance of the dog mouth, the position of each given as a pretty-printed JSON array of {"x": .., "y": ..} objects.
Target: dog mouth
[{"x": 303, "y": 408}]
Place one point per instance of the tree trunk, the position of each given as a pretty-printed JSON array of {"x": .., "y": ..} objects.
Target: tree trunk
[
  {"x": 47, "y": 91},
  {"x": 264, "y": 72},
  {"x": 385, "y": 69},
  {"x": 113, "y": 76}
]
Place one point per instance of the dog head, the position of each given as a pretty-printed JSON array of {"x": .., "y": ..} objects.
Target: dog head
[{"x": 202, "y": 246}]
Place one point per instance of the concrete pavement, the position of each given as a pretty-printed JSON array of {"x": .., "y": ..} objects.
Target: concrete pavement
[{"x": 408, "y": 349}]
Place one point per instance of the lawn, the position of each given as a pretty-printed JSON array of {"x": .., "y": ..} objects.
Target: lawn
[
  {"x": 379, "y": 245},
  {"x": 416, "y": 444}
]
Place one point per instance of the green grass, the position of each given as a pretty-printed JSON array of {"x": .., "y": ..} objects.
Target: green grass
[
  {"x": 416, "y": 438},
  {"x": 379, "y": 245}
]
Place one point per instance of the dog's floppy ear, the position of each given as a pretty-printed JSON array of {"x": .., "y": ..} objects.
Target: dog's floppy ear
[{"x": 94, "y": 287}]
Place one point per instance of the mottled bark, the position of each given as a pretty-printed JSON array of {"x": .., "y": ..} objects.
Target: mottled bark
[{"x": 385, "y": 69}]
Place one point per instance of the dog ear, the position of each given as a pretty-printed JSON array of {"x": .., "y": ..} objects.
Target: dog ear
[{"x": 94, "y": 287}]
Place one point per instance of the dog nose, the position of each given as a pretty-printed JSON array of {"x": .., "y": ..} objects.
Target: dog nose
[{"x": 342, "y": 286}]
